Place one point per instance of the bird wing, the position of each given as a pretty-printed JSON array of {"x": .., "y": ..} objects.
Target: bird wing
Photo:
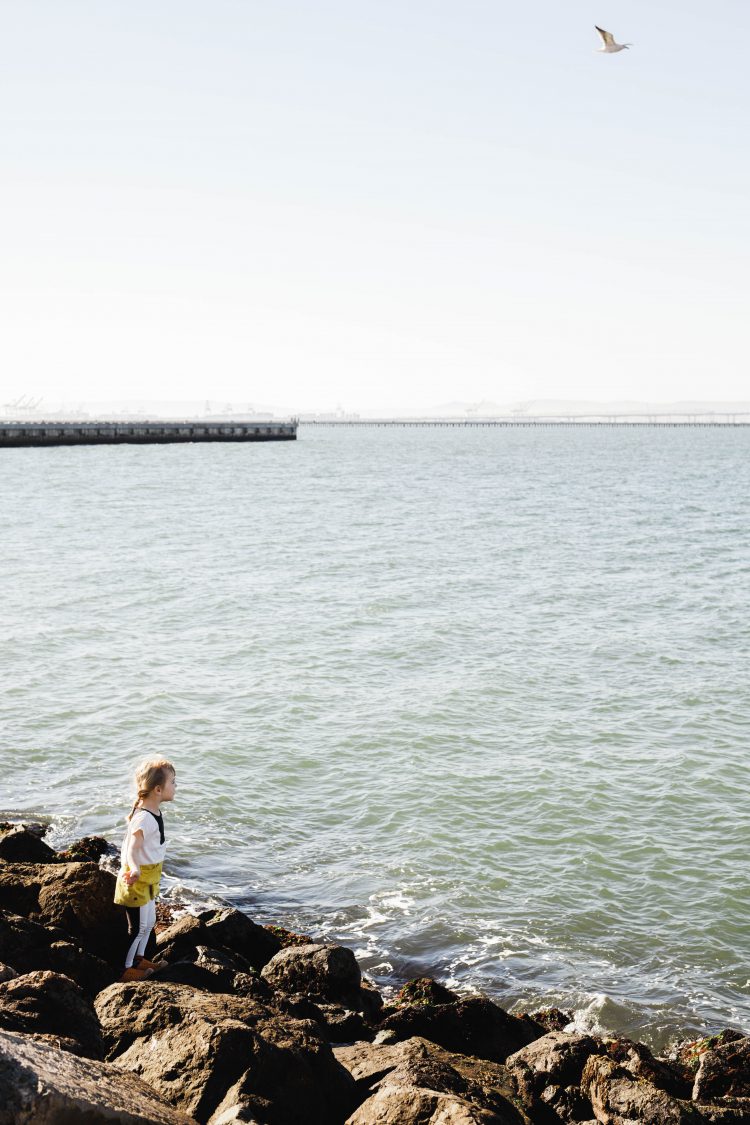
[{"x": 607, "y": 36}]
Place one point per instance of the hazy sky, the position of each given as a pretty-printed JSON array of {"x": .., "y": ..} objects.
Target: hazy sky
[{"x": 373, "y": 203}]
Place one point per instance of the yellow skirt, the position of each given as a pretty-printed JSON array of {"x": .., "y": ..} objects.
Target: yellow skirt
[{"x": 143, "y": 890}]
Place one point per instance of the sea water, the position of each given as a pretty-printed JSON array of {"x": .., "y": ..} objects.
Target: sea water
[{"x": 473, "y": 701}]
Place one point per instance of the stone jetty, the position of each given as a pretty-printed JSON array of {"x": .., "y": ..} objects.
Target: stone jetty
[
  {"x": 27, "y": 434},
  {"x": 251, "y": 1023}
]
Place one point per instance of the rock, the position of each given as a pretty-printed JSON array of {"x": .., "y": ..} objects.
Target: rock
[
  {"x": 289, "y": 937},
  {"x": 204, "y": 1052},
  {"x": 409, "y": 1105},
  {"x": 45, "y": 1003},
  {"x": 567, "y": 1102},
  {"x": 724, "y": 1071},
  {"x": 424, "y": 990},
  {"x": 687, "y": 1054},
  {"x": 75, "y": 897},
  {"x": 619, "y": 1098},
  {"x": 6, "y": 972},
  {"x": 49, "y": 1087},
  {"x": 637, "y": 1058},
  {"x": 214, "y": 971},
  {"x": 324, "y": 972},
  {"x": 228, "y": 931},
  {"x": 556, "y": 1059},
  {"x": 89, "y": 849},
  {"x": 417, "y": 1065},
  {"x": 19, "y": 845},
  {"x": 474, "y": 1026},
  {"x": 28, "y": 946},
  {"x": 551, "y": 1019}
]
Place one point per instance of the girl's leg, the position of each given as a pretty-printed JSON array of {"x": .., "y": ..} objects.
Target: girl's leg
[
  {"x": 148, "y": 921},
  {"x": 136, "y": 926}
]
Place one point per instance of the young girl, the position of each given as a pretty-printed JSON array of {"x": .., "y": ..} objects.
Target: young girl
[{"x": 141, "y": 862}]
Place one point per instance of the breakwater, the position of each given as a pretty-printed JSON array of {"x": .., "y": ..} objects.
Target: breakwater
[{"x": 26, "y": 434}]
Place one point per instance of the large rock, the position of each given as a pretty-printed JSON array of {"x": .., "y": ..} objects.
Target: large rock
[
  {"x": 50, "y": 1004},
  {"x": 724, "y": 1071},
  {"x": 326, "y": 973},
  {"x": 620, "y": 1098},
  {"x": 27, "y": 946},
  {"x": 19, "y": 845},
  {"x": 474, "y": 1026},
  {"x": 203, "y": 1051},
  {"x": 215, "y": 971},
  {"x": 229, "y": 931},
  {"x": 75, "y": 897},
  {"x": 556, "y": 1059},
  {"x": 89, "y": 849},
  {"x": 44, "y": 1086},
  {"x": 417, "y": 1081}
]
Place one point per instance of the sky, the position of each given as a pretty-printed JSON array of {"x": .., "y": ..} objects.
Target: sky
[{"x": 373, "y": 205}]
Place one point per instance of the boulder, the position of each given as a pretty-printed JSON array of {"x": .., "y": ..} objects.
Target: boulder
[
  {"x": 229, "y": 931},
  {"x": 45, "y": 1003},
  {"x": 326, "y": 973},
  {"x": 417, "y": 1081},
  {"x": 203, "y": 1051},
  {"x": 551, "y": 1019},
  {"x": 215, "y": 971},
  {"x": 19, "y": 845},
  {"x": 89, "y": 849},
  {"x": 620, "y": 1098},
  {"x": 6, "y": 972},
  {"x": 27, "y": 946},
  {"x": 50, "y": 1087},
  {"x": 556, "y": 1059},
  {"x": 77, "y": 898},
  {"x": 724, "y": 1071},
  {"x": 474, "y": 1026},
  {"x": 424, "y": 990}
]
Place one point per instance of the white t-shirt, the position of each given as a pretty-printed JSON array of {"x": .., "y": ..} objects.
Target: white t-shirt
[{"x": 151, "y": 851}]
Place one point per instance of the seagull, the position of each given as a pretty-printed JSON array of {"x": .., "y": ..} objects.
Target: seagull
[{"x": 610, "y": 47}]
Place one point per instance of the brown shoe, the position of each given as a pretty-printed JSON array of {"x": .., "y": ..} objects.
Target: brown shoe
[
  {"x": 135, "y": 974},
  {"x": 144, "y": 963}
]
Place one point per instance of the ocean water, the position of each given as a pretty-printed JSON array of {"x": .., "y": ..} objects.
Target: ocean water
[{"x": 473, "y": 701}]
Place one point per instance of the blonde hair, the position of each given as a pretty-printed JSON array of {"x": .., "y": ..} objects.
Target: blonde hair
[{"x": 150, "y": 773}]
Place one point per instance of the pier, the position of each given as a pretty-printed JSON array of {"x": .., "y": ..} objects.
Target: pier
[
  {"x": 26, "y": 434},
  {"x": 622, "y": 421}
]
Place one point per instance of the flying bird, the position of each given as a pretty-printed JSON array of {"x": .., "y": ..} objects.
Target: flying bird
[{"x": 610, "y": 47}]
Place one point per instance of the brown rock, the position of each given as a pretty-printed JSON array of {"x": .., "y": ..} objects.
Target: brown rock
[
  {"x": 325, "y": 972},
  {"x": 77, "y": 898},
  {"x": 410, "y": 1105},
  {"x": 203, "y": 1051},
  {"x": 556, "y": 1059},
  {"x": 27, "y": 946},
  {"x": 89, "y": 849},
  {"x": 6, "y": 972},
  {"x": 47, "y": 1003},
  {"x": 19, "y": 845},
  {"x": 474, "y": 1026},
  {"x": 619, "y": 1098},
  {"x": 424, "y": 990},
  {"x": 724, "y": 1071},
  {"x": 51, "y": 1087}
]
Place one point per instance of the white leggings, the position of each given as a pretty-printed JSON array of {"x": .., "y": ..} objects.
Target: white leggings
[{"x": 141, "y": 921}]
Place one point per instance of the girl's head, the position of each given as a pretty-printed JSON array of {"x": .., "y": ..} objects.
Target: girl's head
[{"x": 154, "y": 777}]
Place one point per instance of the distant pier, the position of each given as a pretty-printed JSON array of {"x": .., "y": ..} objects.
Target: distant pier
[
  {"x": 26, "y": 434},
  {"x": 676, "y": 421}
]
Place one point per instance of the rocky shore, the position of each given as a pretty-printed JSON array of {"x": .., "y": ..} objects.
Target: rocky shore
[{"x": 250, "y": 1023}]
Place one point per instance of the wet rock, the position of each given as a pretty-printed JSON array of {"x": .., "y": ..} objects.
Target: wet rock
[
  {"x": 620, "y": 1098},
  {"x": 89, "y": 849},
  {"x": 474, "y": 1026},
  {"x": 688, "y": 1053},
  {"x": 324, "y": 972},
  {"x": 551, "y": 1019},
  {"x": 424, "y": 990},
  {"x": 637, "y": 1058},
  {"x": 6, "y": 972},
  {"x": 226, "y": 930},
  {"x": 51, "y": 1087},
  {"x": 417, "y": 1081},
  {"x": 724, "y": 1071},
  {"x": 46, "y": 1003},
  {"x": 204, "y": 1051},
  {"x": 556, "y": 1059},
  {"x": 19, "y": 845},
  {"x": 28, "y": 946},
  {"x": 289, "y": 937},
  {"x": 74, "y": 897}
]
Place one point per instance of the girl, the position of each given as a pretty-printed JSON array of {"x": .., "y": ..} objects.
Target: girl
[{"x": 141, "y": 862}]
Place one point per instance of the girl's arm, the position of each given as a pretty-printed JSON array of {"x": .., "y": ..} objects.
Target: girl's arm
[{"x": 133, "y": 858}]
